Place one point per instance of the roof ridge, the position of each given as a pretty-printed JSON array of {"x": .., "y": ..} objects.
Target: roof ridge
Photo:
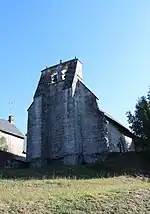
[
  {"x": 53, "y": 66},
  {"x": 7, "y": 127}
]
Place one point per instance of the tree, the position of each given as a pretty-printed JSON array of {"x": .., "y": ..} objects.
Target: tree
[
  {"x": 3, "y": 144},
  {"x": 140, "y": 121}
]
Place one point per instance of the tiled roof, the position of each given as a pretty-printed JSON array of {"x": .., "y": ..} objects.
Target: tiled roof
[{"x": 9, "y": 128}]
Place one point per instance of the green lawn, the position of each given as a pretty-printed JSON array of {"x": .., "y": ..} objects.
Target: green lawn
[{"x": 122, "y": 194}]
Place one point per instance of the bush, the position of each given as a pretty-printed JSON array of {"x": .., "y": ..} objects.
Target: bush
[{"x": 3, "y": 144}]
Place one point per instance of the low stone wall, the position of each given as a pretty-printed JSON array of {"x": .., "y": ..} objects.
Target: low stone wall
[
  {"x": 15, "y": 164},
  {"x": 9, "y": 160},
  {"x": 71, "y": 159},
  {"x": 5, "y": 156}
]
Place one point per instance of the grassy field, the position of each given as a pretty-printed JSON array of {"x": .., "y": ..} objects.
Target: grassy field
[{"x": 49, "y": 191}]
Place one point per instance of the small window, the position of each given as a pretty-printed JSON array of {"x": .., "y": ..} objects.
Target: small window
[
  {"x": 54, "y": 78},
  {"x": 63, "y": 74}
]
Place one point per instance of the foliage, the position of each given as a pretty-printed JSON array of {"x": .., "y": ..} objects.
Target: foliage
[
  {"x": 3, "y": 144},
  {"x": 140, "y": 121}
]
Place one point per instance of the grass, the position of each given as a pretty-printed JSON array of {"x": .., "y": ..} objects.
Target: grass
[
  {"x": 111, "y": 187},
  {"x": 46, "y": 191}
]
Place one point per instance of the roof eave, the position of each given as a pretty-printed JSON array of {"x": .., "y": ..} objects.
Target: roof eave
[
  {"x": 15, "y": 135},
  {"x": 121, "y": 126}
]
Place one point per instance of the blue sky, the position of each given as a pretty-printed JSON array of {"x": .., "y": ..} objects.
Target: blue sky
[{"x": 111, "y": 38}]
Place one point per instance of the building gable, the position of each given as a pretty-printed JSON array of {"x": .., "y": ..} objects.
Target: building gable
[{"x": 7, "y": 127}]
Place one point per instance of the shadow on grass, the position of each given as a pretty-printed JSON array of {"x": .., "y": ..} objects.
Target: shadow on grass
[
  {"x": 131, "y": 164},
  {"x": 72, "y": 172}
]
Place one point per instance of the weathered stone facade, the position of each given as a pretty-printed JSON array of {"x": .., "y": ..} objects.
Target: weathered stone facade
[{"x": 65, "y": 124}]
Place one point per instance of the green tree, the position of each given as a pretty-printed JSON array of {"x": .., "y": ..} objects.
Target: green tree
[
  {"x": 140, "y": 122},
  {"x": 3, "y": 144}
]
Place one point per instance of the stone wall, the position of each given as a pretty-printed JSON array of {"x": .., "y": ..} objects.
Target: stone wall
[
  {"x": 130, "y": 143},
  {"x": 11, "y": 160},
  {"x": 72, "y": 128},
  {"x": 34, "y": 129},
  {"x": 114, "y": 135},
  {"x": 54, "y": 134},
  {"x": 89, "y": 125},
  {"x": 58, "y": 125},
  {"x": 65, "y": 124}
]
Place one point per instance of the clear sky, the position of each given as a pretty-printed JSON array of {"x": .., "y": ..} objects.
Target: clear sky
[{"x": 110, "y": 37}]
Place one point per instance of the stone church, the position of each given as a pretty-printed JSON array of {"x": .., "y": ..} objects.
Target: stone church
[{"x": 65, "y": 123}]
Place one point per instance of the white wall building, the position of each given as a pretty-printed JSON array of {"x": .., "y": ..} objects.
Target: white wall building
[{"x": 13, "y": 137}]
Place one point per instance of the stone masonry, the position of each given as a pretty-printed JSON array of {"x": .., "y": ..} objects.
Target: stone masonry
[{"x": 65, "y": 125}]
